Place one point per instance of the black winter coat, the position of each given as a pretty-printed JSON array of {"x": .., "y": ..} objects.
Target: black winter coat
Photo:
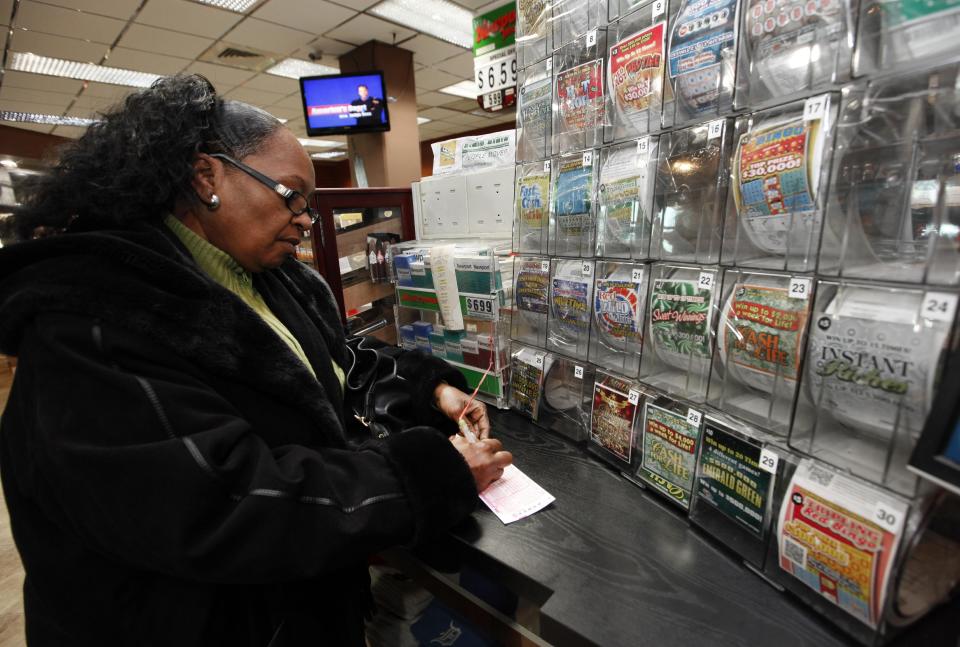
[{"x": 174, "y": 475}]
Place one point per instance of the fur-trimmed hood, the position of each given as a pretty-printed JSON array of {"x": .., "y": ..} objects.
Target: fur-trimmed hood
[{"x": 145, "y": 281}]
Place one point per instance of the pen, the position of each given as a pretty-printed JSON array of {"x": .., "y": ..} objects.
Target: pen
[{"x": 465, "y": 429}]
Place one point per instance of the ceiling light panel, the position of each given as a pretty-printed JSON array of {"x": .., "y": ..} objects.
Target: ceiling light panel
[
  {"x": 319, "y": 143},
  {"x": 24, "y": 62},
  {"x": 294, "y": 68},
  {"x": 328, "y": 155},
  {"x": 36, "y": 118},
  {"x": 423, "y": 120},
  {"x": 439, "y": 18},
  {"x": 465, "y": 89},
  {"x": 237, "y": 6}
]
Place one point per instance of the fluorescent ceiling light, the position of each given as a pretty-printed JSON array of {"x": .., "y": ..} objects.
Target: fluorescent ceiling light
[
  {"x": 328, "y": 155},
  {"x": 439, "y": 18},
  {"x": 423, "y": 120},
  {"x": 35, "y": 118},
  {"x": 466, "y": 89},
  {"x": 294, "y": 68},
  {"x": 319, "y": 143},
  {"x": 238, "y": 6},
  {"x": 26, "y": 62}
]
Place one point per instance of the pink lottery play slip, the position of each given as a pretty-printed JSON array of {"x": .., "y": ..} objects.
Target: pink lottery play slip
[{"x": 515, "y": 496}]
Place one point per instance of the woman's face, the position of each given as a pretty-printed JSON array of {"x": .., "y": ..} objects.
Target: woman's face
[{"x": 253, "y": 224}]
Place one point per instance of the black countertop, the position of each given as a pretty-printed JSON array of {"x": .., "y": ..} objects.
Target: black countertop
[{"x": 611, "y": 564}]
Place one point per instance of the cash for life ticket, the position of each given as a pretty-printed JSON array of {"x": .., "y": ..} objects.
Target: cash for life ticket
[{"x": 515, "y": 496}]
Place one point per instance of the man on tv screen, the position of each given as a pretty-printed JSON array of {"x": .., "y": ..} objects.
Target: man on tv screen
[{"x": 369, "y": 114}]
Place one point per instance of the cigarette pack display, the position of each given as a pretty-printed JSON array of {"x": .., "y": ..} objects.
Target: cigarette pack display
[
  {"x": 565, "y": 404},
  {"x": 534, "y": 120},
  {"x": 691, "y": 189},
  {"x": 625, "y": 199},
  {"x": 571, "y": 301},
  {"x": 678, "y": 334},
  {"x": 619, "y": 297},
  {"x": 670, "y": 440},
  {"x": 701, "y": 60},
  {"x": 421, "y": 332},
  {"x": 780, "y": 172},
  {"x": 573, "y": 19},
  {"x": 534, "y": 35},
  {"x": 573, "y": 203},
  {"x": 635, "y": 71},
  {"x": 872, "y": 364},
  {"x": 904, "y": 33},
  {"x": 614, "y": 419},
  {"x": 739, "y": 477},
  {"x": 532, "y": 211},
  {"x": 793, "y": 48},
  {"x": 579, "y": 113},
  {"x": 452, "y": 343},
  {"x": 408, "y": 338},
  {"x": 527, "y": 368},
  {"x": 531, "y": 299},
  {"x": 894, "y": 206},
  {"x": 760, "y": 341},
  {"x": 438, "y": 342}
]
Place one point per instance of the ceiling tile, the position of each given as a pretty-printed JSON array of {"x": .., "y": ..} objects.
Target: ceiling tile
[
  {"x": 6, "y": 8},
  {"x": 291, "y": 101},
  {"x": 432, "y": 79},
  {"x": 326, "y": 48},
  {"x": 439, "y": 114},
  {"x": 122, "y": 9},
  {"x": 36, "y": 96},
  {"x": 39, "y": 128},
  {"x": 68, "y": 22},
  {"x": 364, "y": 28},
  {"x": 267, "y": 36},
  {"x": 461, "y": 65},
  {"x": 164, "y": 41},
  {"x": 427, "y": 98},
  {"x": 464, "y": 105},
  {"x": 133, "y": 59},
  {"x": 223, "y": 77},
  {"x": 72, "y": 132},
  {"x": 255, "y": 97},
  {"x": 70, "y": 49},
  {"x": 188, "y": 17},
  {"x": 106, "y": 91},
  {"x": 272, "y": 83},
  {"x": 358, "y": 5},
  {"x": 285, "y": 113},
  {"x": 316, "y": 16},
  {"x": 480, "y": 6},
  {"x": 30, "y": 106},
  {"x": 87, "y": 105},
  {"x": 461, "y": 119},
  {"x": 428, "y": 50},
  {"x": 41, "y": 82}
]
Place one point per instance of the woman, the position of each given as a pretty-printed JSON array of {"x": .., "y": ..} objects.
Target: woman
[{"x": 175, "y": 452}]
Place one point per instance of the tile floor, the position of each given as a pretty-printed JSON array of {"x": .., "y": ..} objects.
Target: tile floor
[{"x": 11, "y": 572}]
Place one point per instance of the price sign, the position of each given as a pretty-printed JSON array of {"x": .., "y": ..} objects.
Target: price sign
[
  {"x": 939, "y": 306},
  {"x": 588, "y": 158},
  {"x": 715, "y": 129},
  {"x": 544, "y": 266},
  {"x": 633, "y": 396},
  {"x": 799, "y": 288},
  {"x": 586, "y": 268},
  {"x": 706, "y": 280},
  {"x": 578, "y": 372},
  {"x": 496, "y": 70},
  {"x": 546, "y": 166},
  {"x": 694, "y": 417},
  {"x": 769, "y": 460},
  {"x": 658, "y": 7},
  {"x": 888, "y": 516},
  {"x": 636, "y": 275},
  {"x": 481, "y": 307},
  {"x": 493, "y": 100},
  {"x": 591, "y": 38},
  {"x": 816, "y": 107}
]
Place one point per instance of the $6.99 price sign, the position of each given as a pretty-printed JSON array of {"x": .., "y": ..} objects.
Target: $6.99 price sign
[{"x": 481, "y": 307}]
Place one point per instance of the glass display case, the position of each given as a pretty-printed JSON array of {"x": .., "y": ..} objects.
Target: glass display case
[{"x": 351, "y": 249}]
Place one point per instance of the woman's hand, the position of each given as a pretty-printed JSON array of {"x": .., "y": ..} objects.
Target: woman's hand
[
  {"x": 451, "y": 401},
  {"x": 486, "y": 459}
]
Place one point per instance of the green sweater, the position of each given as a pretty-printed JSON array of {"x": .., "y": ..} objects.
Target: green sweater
[{"x": 223, "y": 269}]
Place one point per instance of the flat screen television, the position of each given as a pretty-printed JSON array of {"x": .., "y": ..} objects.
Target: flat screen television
[
  {"x": 345, "y": 104},
  {"x": 936, "y": 455}
]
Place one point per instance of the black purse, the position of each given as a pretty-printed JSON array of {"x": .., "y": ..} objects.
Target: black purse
[{"x": 375, "y": 395}]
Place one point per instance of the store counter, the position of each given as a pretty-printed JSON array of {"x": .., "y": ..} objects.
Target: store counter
[{"x": 610, "y": 564}]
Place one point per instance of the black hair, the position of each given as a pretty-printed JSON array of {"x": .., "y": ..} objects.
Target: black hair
[
  {"x": 363, "y": 85},
  {"x": 137, "y": 161}
]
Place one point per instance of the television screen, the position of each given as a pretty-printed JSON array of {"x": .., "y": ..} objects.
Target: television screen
[
  {"x": 345, "y": 103},
  {"x": 936, "y": 455}
]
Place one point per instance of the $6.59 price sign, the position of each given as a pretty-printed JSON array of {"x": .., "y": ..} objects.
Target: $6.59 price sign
[
  {"x": 481, "y": 307},
  {"x": 496, "y": 70}
]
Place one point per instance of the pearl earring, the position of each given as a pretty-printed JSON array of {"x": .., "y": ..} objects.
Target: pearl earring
[{"x": 214, "y": 203}]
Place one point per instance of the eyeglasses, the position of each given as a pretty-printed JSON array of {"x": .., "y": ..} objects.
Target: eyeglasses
[{"x": 296, "y": 202}]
